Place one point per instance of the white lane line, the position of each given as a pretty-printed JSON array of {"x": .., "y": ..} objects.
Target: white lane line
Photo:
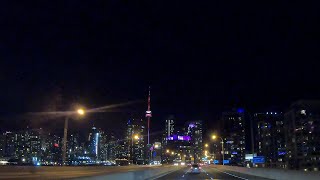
[
  {"x": 182, "y": 175},
  {"x": 207, "y": 173},
  {"x": 231, "y": 174}
]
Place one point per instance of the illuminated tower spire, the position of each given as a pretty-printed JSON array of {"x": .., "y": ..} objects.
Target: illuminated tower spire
[{"x": 148, "y": 115}]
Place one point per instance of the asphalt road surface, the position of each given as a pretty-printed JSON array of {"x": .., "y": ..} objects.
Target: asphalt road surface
[{"x": 208, "y": 172}]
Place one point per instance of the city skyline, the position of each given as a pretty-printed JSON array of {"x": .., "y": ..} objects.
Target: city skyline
[{"x": 177, "y": 90}]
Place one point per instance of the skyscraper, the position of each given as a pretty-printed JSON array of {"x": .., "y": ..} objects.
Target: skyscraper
[
  {"x": 10, "y": 144},
  {"x": 195, "y": 132},
  {"x": 2, "y": 144},
  {"x": 94, "y": 143},
  {"x": 135, "y": 140},
  {"x": 270, "y": 140},
  {"x": 234, "y": 136},
  {"x": 169, "y": 131},
  {"x": 169, "y": 127},
  {"x": 302, "y": 132},
  {"x": 73, "y": 148},
  {"x": 103, "y": 147},
  {"x": 111, "y": 147}
]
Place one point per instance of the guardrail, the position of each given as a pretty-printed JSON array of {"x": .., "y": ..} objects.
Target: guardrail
[{"x": 281, "y": 174}]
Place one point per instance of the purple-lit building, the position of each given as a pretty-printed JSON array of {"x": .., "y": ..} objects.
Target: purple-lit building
[
  {"x": 177, "y": 137},
  {"x": 194, "y": 131},
  {"x": 178, "y": 149},
  {"x": 176, "y": 144}
]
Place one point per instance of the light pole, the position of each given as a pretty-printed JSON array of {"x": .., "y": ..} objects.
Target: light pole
[
  {"x": 65, "y": 135},
  {"x": 215, "y": 137},
  {"x": 136, "y": 137}
]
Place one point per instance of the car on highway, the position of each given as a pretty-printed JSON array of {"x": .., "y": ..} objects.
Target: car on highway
[{"x": 195, "y": 169}]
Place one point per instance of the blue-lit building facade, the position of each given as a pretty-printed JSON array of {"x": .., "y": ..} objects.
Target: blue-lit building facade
[{"x": 97, "y": 145}]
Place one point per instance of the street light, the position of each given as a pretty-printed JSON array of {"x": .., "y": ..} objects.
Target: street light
[
  {"x": 80, "y": 112},
  {"x": 136, "y": 137},
  {"x": 215, "y": 137},
  {"x": 172, "y": 153},
  {"x": 206, "y": 145},
  {"x": 168, "y": 151}
]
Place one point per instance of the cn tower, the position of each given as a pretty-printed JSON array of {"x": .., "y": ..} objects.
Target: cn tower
[{"x": 148, "y": 116}]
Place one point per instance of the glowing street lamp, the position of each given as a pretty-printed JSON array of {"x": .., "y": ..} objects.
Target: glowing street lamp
[
  {"x": 136, "y": 137},
  {"x": 80, "y": 111},
  {"x": 168, "y": 151},
  {"x": 206, "y": 145},
  {"x": 172, "y": 153}
]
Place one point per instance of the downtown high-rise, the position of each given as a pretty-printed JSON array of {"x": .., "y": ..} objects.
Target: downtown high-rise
[
  {"x": 302, "y": 134},
  {"x": 233, "y": 135},
  {"x": 270, "y": 138},
  {"x": 135, "y": 143}
]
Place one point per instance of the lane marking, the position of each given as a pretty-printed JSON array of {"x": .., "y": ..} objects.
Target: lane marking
[
  {"x": 231, "y": 174},
  {"x": 207, "y": 173},
  {"x": 182, "y": 175}
]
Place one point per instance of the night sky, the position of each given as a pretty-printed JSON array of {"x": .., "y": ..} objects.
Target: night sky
[{"x": 200, "y": 58}]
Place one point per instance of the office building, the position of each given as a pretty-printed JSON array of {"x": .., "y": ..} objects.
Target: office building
[
  {"x": 270, "y": 140},
  {"x": 302, "y": 132},
  {"x": 136, "y": 151},
  {"x": 194, "y": 130},
  {"x": 10, "y": 144},
  {"x": 2, "y": 144},
  {"x": 111, "y": 147},
  {"x": 96, "y": 146},
  {"x": 51, "y": 147},
  {"x": 169, "y": 128},
  {"x": 178, "y": 149},
  {"x": 233, "y": 135}
]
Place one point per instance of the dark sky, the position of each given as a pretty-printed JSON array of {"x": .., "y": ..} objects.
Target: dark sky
[{"x": 199, "y": 57}]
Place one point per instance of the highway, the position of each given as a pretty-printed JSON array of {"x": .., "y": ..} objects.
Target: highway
[
  {"x": 117, "y": 172},
  {"x": 208, "y": 172}
]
